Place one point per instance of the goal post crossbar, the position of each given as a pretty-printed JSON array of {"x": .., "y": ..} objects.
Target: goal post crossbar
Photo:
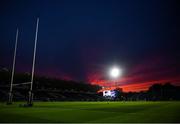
[{"x": 22, "y": 83}]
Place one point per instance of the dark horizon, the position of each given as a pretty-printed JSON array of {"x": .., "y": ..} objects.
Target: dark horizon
[{"x": 81, "y": 40}]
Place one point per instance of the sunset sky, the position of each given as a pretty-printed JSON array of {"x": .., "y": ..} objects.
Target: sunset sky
[{"x": 81, "y": 39}]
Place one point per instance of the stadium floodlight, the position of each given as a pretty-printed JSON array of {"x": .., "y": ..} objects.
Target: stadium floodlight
[
  {"x": 115, "y": 72},
  {"x": 30, "y": 100},
  {"x": 12, "y": 73}
]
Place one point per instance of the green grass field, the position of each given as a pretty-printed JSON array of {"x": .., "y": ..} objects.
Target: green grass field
[{"x": 92, "y": 112}]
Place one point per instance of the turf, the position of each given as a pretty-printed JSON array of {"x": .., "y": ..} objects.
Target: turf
[{"x": 92, "y": 112}]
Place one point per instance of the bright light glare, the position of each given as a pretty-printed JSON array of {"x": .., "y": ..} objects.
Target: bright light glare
[{"x": 115, "y": 72}]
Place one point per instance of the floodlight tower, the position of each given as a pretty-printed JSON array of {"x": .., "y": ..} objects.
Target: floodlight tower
[
  {"x": 12, "y": 73},
  {"x": 30, "y": 100}
]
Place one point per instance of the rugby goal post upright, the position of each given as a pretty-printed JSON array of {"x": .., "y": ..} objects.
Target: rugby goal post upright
[
  {"x": 30, "y": 99},
  {"x": 10, "y": 97}
]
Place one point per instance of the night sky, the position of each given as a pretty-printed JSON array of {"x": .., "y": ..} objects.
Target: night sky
[{"x": 81, "y": 40}]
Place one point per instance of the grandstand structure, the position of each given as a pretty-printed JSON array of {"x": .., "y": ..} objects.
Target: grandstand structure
[{"x": 47, "y": 88}]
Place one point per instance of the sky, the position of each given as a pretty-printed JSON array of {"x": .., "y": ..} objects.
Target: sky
[{"x": 82, "y": 39}]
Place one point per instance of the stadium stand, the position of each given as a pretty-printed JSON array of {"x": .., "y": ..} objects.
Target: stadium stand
[{"x": 47, "y": 89}]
